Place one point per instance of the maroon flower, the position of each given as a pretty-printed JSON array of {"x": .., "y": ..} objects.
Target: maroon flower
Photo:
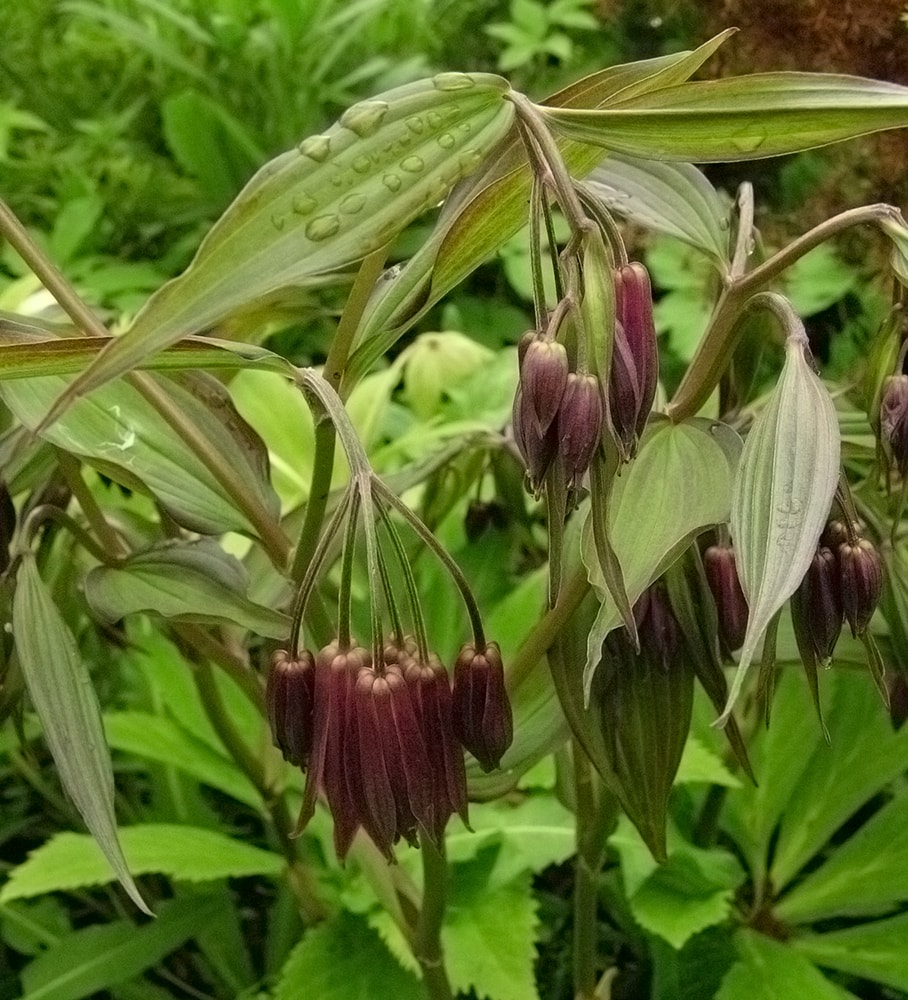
[
  {"x": 579, "y": 425},
  {"x": 482, "y": 716},
  {"x": 537, "y": 450},
  {"x": 725, "y": 586},
  {"x": 290, "y": 698},
  {"x": 543, "y": 378},
  {"x": 823, "y": 602},
  {"x": 861, "y": 578}
]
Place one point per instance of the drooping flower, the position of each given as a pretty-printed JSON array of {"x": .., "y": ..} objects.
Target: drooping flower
[{"x": 483, "y": 721}]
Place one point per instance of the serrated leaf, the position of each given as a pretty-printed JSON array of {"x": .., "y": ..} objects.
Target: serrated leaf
[
  {"x": 96, "y": 958},
  {"x": 61, "y": 691},
  {"x": 70, "y": 861},
  {"x": 738, "y": 118},
  {"x": 121, "y": 433},
  {"x": 655, "y": 491},
  {"x": 163, "y": 740},
  {"x": 324, "y": 965},
  {"x": 671, "y": 198},
  {"x": 782, "y": 495},
  {"x": 866, "y": 874},
  {"x": 321, "y": 207},
  {"x": 489, "y": 935},
  {"x": 183, "y": 581},
  {"x": 874, "y": 950},
  {"x": 770, "y": 970},
  {"x": 701, "y": 766}
]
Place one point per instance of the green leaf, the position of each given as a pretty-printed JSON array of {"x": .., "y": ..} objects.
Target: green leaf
[
  {"x": 163, "y": 740},
  {"x": 875, "y": 950},
  {"x": 701, "y": 766},
  {"x": 122, "y": 433},
  {"x": 489, "y": 935},
  {"x": 60, "y": 688},
  {"x": 670, "y": 198},
  {"x": 71, "y": 861},
  {"x": 818, "y": 280},
  {"x": 321, "y": 207},
  {"x": 770, "y": 970},
  {"x": 783, "y": 491},
  {"x": 655, "y": 491},
  {"x": 324, "y": 965},
  {"x": 96, "y": 958},
  {"x": 864, "y": 757},
  {"x": 738, "y": 118},
  {"x": 183, "y": 581}
]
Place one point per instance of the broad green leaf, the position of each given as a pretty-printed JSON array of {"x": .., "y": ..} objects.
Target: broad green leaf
[
  {"x": 70, "y": 861},
  {"x": 184, "y": 581},
  {"x": 163, "y": 740},
  {"x": 701, "y": 766},
  {"x": 694, "y": 972},
  {"x": 489, "y": 935},
  {"x": 818, "y": 280},
  {"x": 483, "y": 213},
  {"x": 864, "y": 757},
  {"x": 738, "y": 118},
  {"x": 344, "y": 959},
  {"x": 658, "y": 490},
  {"x": 671, "y": 198},
  {"x": 122, "y": 433},
  {"x": 770, "y": 970},
  {"x": 61, "y": 691},
  {"x": 99, "y": 957},
  {"x": 783, "y": 491},
  {"x": 330, "y": 202},
  {"x": 864, "y": 875},
  {"x": 873, "y": 950}
]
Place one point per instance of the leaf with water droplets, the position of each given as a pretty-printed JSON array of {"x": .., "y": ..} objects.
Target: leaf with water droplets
[
  {"x": 321, "y": 207},
  {"x": 61, "y": 691},
  {"x": 738, "y": 118},
  {"x": 782, "y": 494}
]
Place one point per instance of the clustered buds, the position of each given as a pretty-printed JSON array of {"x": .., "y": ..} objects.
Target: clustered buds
[
  {"x": 384, "y": 742},
  {"x": 894, "y": 419},
  {"x": 725, "y": 586},
  {"x": 635, "y": 359},
  {"x": 843, "y": 583}
]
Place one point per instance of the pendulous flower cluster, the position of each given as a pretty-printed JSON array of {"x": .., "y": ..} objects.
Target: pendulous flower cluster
[{"x": 384, "y": 741}]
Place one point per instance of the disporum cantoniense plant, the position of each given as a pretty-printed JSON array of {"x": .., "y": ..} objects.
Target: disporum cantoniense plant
[{"x": 668, "y": 529}]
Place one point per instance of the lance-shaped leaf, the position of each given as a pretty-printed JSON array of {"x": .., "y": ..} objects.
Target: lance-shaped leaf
[
  {"x": 739, "y": 118},
  {"x": 184, "y": 581},
  {"x": 122, "y": 433},
  {"x": 783, "y": 491},
  {"x": 61, "y": 691},
  {"x": 671, "y": 198},
  {"x": 320, "y": 207},
  {"x": 679, "y": 484}
]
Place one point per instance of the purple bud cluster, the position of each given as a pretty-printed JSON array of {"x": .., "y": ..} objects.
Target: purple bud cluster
[
  {"x": 560, "y": 413},
  {"x": 384, "y": 742},
  {"x": 725, "y": 586}
]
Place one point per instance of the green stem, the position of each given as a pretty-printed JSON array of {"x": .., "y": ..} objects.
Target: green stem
[
  {"x": 427, "y": 939},
  {"x": 325, "y": 434},
  {"x": 205, "y": 644},
  {"x": 72, "y": 474},
  {"x": 48, "y": 512},
  {"x": 717, "y": 345},
  {"x": 419, "y": 623},
  {"x": 301, "y": 880}
]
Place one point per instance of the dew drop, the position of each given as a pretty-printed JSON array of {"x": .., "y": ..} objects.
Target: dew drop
[
  {"x": 469, "y": 160},
  {"x": 365, "y": 118},
  {"x": 323, "y": 226},
  {"x": 446, "y": 140},
  {"x": 412, "y": 164},
  {"x": 453, "y": 81},
  {"x": 435, "y": 120},
  {"x": 303, "y": 204},
  {"x": 361, "y": 164},
  {"x": 278, "y": 221},
  {"x": 465, "y": 127},
  {"x": 316, "y": 147},
  {"x": 353, "y": 203},
  {"x": 416, "y": 125},
  {"x": 391, "y": 182}
]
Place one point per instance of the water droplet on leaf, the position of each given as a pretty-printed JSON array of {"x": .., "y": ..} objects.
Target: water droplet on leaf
[
  {"x": 446, "y": 140},
  {"x": 353, "y": 203},
  {"x": 434, "y": 119},
  {"x": 361, "y": 164},
  {"x": 303, "y": 204},
  {"x": 391, "y": 182},
  {"x": 316, "y": 147},
  {"x": 416, "y": 125},
  {"x": 364, "y": 118},
  {"x": 412, "y": 164},
  {"x": 322, "y": 227},
  {"x": 453, "y": 81}
]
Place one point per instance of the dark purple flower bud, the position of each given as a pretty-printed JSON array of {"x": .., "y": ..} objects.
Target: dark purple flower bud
[
  {"x": 579, "y": 425},
  {"x": 834, "y": 534},
  {"x": 861, "y": 580},
  {"x": 290, "y": 698},
  {"x": 657, "y": 627},
  {"x": 635, "y": 359},
  {"x": 431, "y": 696},
  {"x": 481, "y": 711},
  {"x": 399, "y": 650},
  {"x": 378, "y": 807},
  {"x": 543, "y": 378},
  {"x": 725, "y": 586},
  {"x": 894, "y": 419},
  {"x": 822, "y": 603},
  {"x": 537, "y": 451}
]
